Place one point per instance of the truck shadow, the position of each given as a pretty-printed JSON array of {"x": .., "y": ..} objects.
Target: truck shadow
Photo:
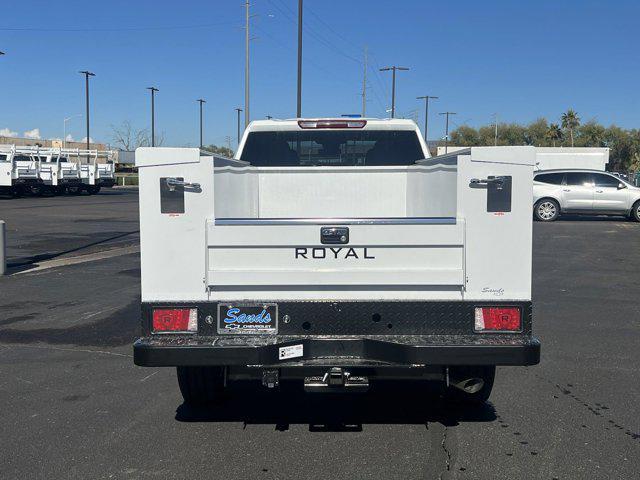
[{"x": 387, "y": 404}]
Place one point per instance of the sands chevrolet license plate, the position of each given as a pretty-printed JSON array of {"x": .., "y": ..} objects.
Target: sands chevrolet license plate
[{"x": 248, "y": 318}]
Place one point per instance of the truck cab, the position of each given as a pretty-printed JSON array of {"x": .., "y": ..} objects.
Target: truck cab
[{"x": 335, "y": 253}]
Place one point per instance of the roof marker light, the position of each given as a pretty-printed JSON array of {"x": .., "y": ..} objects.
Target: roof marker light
[{"x": 331, "y": 123}]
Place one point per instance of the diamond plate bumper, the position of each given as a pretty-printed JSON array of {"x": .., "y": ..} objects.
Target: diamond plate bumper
[{"x": 371, "y": 350}]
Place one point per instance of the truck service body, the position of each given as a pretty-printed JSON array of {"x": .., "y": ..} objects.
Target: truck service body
[{"x": 336, "y": 252}]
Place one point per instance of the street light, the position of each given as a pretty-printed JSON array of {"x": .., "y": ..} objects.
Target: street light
[
  {"x": 87, "y": 74},
  {"x": 201, "y": 101},
  {"x": 238, "y": 110},
  {"x": 393, "y": 86},
  {"x": 446, "y": 135},
  {"x": 153, "y": 114},
  {"x": 426, "y": 113},
  {"x": 64, "y": 129}
]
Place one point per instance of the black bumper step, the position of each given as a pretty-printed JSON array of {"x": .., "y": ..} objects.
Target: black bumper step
[{"x": 377, "y": 350}]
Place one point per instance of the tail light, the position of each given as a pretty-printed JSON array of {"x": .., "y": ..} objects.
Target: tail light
[
  {"x": 497, "y": 319},
  {"x": 175, "y": 320},
  {"x": 306, "y": 124}
]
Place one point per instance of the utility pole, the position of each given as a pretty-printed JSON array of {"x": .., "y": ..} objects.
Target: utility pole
[
  {"x": 426, "y": 112},
  {"x": 393, "y": 69},
  {"x": 228, "y": 139},
  {"x": 299, "y": 109},
  {"x": 238, "y": 110},
  {"x": 446, "y": 135},
  {"x": 246, "y": 64},
  {"x": 153, "y": 114},
  {"x": 87, "y": 74},
  {"x": 495, "y": 122},
  {"x": 201, "y": 101},
  {"x": 364, "y": 85}
]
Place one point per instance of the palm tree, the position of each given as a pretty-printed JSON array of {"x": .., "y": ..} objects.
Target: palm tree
[
  {"x": 554, "y": 132},
  {"x": 570, "y": 121}
]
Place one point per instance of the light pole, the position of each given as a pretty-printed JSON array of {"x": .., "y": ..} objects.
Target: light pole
[
  {"x": 393, "y": 69},
  {"x": 238, "y": 110},
  {"x": 426, "y": 112},
  {"x": 299, "y": 108},
  {"x": 446, "y": 135},
  {"x": 153, "y": 114},
  {"x": 495, "y": 123},
  {"x": 87, "y": 74},
  {"x": 201, "y": 101},
  {"x": 246, "y": 63},
  {"x": 64, "y": 129}
]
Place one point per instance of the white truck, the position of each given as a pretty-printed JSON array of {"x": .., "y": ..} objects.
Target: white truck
[{"x": 334, "y": 253}]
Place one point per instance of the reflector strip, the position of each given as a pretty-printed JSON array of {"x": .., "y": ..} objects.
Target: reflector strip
[
  {"x": 497, "y": 319},
  {"x": 175, "y": 320}
]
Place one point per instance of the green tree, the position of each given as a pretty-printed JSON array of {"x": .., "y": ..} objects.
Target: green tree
[
  {"x": 536, "y": 132},
  {"x": 465, "y": 136},
  {"x": 570, "y": 121},
  {"x": 512, "y": 134},
  {"x": 554, "y": 133},
  {"x": 224, "y": 151},
  {"x": 591, "y": 134},
  {"x": 486, "y": 135}
]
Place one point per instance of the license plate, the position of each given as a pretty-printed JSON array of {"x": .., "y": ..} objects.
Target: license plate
[{"x": 248, "y": 318}]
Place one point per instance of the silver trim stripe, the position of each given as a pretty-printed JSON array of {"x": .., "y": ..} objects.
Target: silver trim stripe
[{"x": 338, "y": 221}]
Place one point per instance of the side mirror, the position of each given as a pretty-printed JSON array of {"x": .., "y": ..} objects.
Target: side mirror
[{"x": 621, "y": 186}]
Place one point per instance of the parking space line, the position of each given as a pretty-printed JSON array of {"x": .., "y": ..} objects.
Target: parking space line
[{"x": 63, "y": 262}]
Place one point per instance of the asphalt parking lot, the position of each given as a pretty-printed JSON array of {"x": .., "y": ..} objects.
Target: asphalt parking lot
[{"x": 75, "y": 406}]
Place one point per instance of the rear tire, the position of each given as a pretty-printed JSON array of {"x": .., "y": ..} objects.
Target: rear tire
[
  {"x": 546, "y": 210},
  {"x": 74, "y": 190},
  {"x": 635, "y": 211},
  {"x": 201, "y": 385},
  {"x": 486, "y": 372},
  {"x": 36, "y": 190},
  {"x": 93, "y": 189}
]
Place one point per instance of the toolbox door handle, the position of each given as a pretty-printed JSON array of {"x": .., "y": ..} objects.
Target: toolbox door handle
[{"x": 172, "y": 183}]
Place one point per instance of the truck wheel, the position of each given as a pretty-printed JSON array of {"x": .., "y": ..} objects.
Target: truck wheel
[
  {"x": 201, "y": 385},
  {"x": 74, "y": 190},
  {"x": 93, "y": 189},
  {"x": 486, "y": 373},
  {"x": 36, "y": 190},
  {"x": 546, "y": 210},
  {"x": 635, "y": 211}
]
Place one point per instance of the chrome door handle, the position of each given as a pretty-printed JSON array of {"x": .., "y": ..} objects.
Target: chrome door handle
[
  {"x": 566, "y": 189},
  {"x": 172, "y": 183},
  {"x": 598, "y": 191}
]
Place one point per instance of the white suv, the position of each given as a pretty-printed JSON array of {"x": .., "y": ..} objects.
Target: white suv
[{"x": 583, "y": 191}]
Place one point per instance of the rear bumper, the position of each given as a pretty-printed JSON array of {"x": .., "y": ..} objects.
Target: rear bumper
[{"x": 374, "y": 350}]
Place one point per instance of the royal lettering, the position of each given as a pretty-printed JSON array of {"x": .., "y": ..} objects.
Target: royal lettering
[{"x": 331, "y": 253}]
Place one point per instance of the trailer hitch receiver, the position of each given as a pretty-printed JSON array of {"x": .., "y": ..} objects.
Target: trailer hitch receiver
[{"x": 336, "y": 380}]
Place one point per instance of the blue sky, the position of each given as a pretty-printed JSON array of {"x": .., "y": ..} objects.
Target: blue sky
[{"x": 521, "y": 59}]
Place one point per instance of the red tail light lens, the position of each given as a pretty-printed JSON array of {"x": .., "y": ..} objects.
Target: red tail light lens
[
  {"x": 331, "y": 123},
  {"x": 497, "y": 319},
  {"x": 175, "y": 320}
]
